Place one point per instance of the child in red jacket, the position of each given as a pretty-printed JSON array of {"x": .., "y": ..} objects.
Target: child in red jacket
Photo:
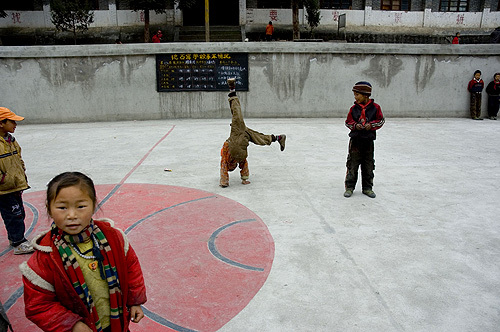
[
  {"x": 84, "y": 276},
  {"x": 475, "y": 87},
  {"x": 364, "y": 118}
]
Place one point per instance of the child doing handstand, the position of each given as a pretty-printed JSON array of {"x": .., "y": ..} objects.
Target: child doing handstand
[
  {"x": 84, "y": 276},
  {"x": 234, "y": 150}
]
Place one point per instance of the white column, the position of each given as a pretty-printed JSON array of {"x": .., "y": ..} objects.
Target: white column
[
  {"x": 243, "y": 12},
  {"x": 113, "y": 13},
  {"x": 47, "y": 17}
]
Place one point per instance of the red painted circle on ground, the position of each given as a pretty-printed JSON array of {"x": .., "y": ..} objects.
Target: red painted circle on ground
[{"x": 171, "y": 228}]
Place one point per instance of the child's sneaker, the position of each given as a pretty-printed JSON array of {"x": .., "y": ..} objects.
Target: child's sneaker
[
  {"x": 23, "y": 248},
  {"x": 348, "y": 192},
  {"x": 231, "y": 83},
  {"x": 281, "y": 141}
]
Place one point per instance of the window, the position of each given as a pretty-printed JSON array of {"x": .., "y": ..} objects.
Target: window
[
  {"x": 94, "y": 4},
  {"x": 335, "y": 4},
  {"x": 454, "y": 5},
  {"x": 395, "y": 5},
  {"x": 21, "y": 5},
  {"x": 274, "y": 4}
]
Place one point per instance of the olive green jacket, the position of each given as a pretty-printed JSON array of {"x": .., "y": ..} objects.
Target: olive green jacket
[{"x": 12, "y": 169}]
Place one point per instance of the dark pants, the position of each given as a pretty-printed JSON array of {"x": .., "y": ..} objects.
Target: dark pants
[
  {"x": 475, "y": 105},
  {"x": 360, "y": 153},
  {"x": 493, "y": 105},
  {"x": 12, "y": 211}
]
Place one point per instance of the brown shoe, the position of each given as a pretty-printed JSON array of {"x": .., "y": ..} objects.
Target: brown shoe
[{"x": 281, "y": 141}]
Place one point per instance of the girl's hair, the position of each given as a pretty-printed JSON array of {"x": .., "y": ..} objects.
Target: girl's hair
[{"x": 69, "y": 179}]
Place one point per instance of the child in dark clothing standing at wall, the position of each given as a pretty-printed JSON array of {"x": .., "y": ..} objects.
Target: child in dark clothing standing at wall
[
  {"x": 475, "y": 88},
  {"x": 493, "y": 91},
  {"x": 364, "y": 118}
]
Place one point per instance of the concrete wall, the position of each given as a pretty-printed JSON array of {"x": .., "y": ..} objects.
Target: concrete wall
[
  {"x": 256, "y": 19},
  {"x": 102, "y": 18},
  {"x": 118, "y": 82},
  {"x": 381, "y": 18}
]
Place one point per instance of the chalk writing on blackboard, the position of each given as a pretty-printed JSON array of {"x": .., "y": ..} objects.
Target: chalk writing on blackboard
[{"x": 201, "y": 71}]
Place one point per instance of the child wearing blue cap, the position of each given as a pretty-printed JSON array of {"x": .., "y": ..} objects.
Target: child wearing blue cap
[{"x": 364, "y": 118}]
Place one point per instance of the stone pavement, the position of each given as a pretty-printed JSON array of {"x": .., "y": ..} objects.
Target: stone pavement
[{"x": 422, "y": 256}]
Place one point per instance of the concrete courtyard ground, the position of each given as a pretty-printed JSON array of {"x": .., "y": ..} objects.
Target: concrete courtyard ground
[{"x": 422, "y": 256}]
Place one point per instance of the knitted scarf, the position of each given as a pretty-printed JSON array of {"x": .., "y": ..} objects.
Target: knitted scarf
[{"x": 107, "y": 267}]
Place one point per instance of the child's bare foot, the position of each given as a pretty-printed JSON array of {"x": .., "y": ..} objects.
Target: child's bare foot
[{"x": 245, "y": 182}]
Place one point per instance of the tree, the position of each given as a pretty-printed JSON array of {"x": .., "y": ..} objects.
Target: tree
[
  {"x": 159, "y": 6},
  {"x": 312, "y": 14},
  {"x": 71, "y": 15}
]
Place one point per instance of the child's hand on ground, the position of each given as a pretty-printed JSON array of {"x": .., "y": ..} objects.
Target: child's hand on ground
[
  {"x": 136, "y": 313},
  {"x": 81, "y": 327}
]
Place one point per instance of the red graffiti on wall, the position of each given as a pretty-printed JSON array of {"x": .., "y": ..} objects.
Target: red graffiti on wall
[
  {"x": 398, "y": 17},
  {"x": 273, "y": 15},
  {"x": 16, "y": 18},
  {"x": 335, "y": 15}
]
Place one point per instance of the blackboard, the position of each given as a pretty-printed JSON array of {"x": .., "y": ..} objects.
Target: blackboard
[{"x": 201, "y": 71}]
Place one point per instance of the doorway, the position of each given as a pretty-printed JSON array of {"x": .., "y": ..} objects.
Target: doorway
[{"x": 222, "y": 12}]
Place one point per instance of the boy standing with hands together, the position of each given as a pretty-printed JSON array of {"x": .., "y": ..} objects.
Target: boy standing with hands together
[
  {"x": 475, "y": 87},
  {"x": 364, "y": 118}
]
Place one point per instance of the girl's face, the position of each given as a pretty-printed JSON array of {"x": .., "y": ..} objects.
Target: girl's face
[
  {"x": 497, "y": 78},
  {"x": 477, "y": 76},
  {"x": 72, "y": 210}
]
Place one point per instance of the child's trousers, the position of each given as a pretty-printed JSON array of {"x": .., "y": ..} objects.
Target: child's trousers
[
  {"x": 228, "y": 164},
  {"x": 13, "y": 214},
  {"x": 493, "y": 105},
  {"x": 475, "y": 105},
  {"x": 241, "y": 135},
  {"x": 361, "y": 152}
]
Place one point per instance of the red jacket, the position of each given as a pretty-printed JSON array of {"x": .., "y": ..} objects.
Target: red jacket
[
  {"x": 475, "y": 86},
  {"x": 50, "y": 300},
  {"x": 374, "y": 117},
  {"x": 157, "y": 38}
]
